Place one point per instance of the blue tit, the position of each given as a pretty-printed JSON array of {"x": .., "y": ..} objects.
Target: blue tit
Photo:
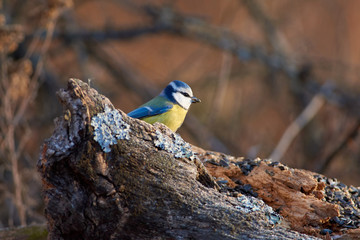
[{"x": 169, "y": 107}]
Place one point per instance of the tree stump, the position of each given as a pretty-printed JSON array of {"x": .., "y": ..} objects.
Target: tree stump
[{"x": 108, "y": 176}]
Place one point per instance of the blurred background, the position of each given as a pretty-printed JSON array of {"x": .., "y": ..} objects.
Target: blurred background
[{"x": 276, "y": 78}]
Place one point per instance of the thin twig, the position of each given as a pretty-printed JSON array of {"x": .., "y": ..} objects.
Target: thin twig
[
  {"x": 125, "y": 34},
  {"x": 271, "y": 33},
  {"x": 34, "y": 82},
  {"x": 221, "y": 90},
  {"x": 295, "y": 127},
  {"x": 325, "y": 162},
  {"x": 16, "y": 175}
]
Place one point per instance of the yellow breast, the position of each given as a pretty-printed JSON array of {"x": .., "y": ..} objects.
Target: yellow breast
[{"x": 173, "y": 118}]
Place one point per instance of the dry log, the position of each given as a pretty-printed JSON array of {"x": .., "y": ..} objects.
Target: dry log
[
  {"x": 108, "y": 176},
  {"x": 311, "y": 203}
]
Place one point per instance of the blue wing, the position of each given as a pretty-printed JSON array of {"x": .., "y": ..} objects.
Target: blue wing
[{"x": 148, "y": 111}]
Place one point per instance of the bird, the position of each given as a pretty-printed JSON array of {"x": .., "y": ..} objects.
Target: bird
[{"x": 169, "y": 107}]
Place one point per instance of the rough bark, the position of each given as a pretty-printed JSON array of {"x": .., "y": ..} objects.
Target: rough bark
[{"x": 148, "y": 185}]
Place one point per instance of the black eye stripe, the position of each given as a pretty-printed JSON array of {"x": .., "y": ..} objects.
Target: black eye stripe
[{"x": 185, "y": 94}]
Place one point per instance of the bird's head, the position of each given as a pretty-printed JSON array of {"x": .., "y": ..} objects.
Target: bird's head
[{"x": 180, "y": 93}]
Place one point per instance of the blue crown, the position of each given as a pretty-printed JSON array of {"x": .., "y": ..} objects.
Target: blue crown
[{"x": 170, "y": 89}]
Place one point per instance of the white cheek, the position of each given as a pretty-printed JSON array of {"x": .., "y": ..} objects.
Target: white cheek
[{"x": 183, "y": 101}]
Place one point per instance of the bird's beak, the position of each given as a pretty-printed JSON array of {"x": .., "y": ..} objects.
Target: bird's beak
[{"x": 195, "y": 100}]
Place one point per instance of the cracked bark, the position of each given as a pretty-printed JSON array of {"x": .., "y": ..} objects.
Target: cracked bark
[{"x": 136, "y": 191}]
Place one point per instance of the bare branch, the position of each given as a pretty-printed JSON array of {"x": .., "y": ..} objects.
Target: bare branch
[
  {"x": 326, "y": 161},
  {"x": 295, "y": 127},
  {"x": 223, "y": 81}
]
